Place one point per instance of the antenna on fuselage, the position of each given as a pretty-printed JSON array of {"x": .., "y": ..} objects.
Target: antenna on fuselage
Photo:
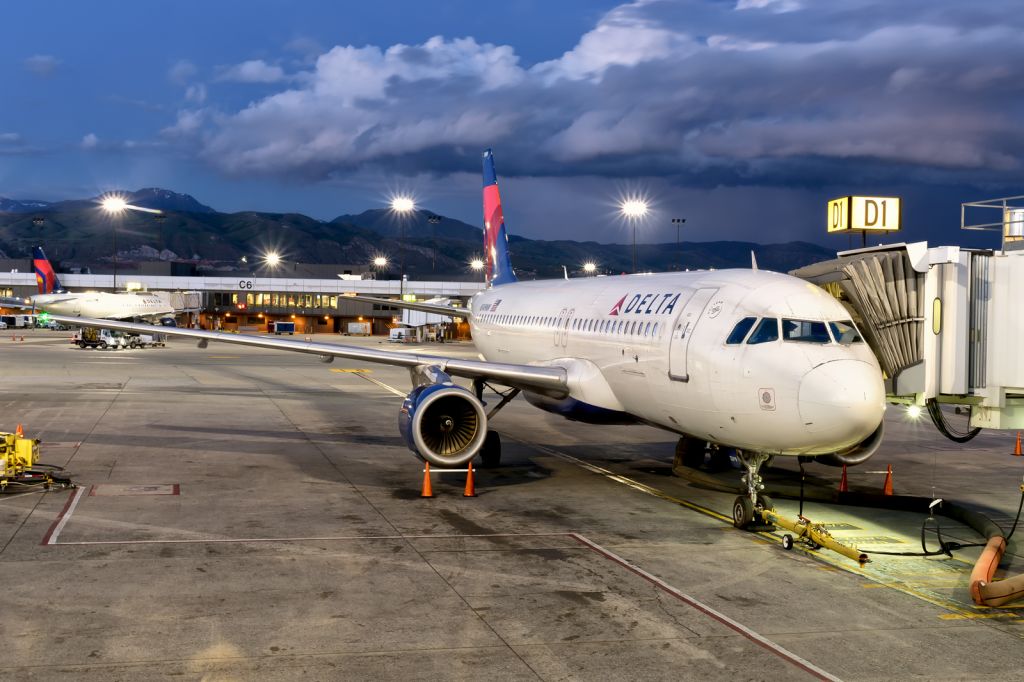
[
  {"x": 565, "y": 271},
  {"x": 753, "y": 260}
]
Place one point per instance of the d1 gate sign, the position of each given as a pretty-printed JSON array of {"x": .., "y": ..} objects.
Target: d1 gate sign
[{"x": 865, "y": 214}]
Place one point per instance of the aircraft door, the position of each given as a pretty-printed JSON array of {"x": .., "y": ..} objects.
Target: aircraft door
[
  {"x": 562, "y": 328},
  {"x": 682, "y": 332}
]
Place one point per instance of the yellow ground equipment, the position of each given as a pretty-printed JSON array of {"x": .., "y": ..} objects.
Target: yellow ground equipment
[
  {"x": 814, "y": 534},
  {"x": 19, "y": 464}
]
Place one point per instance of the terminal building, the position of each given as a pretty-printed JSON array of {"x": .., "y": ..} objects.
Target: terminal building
[{"x": 311, "y": 296}]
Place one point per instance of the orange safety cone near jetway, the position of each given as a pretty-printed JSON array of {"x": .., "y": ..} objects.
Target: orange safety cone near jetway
[
  {"x": 470, "y": 487},
  {"x": 844, "y": 486},
  {"x": 428, "y": 490},
  {"x": 887, "y": 486},
  {"x": 19, "y": 432},
  {"x": 1016, "y": 450}
]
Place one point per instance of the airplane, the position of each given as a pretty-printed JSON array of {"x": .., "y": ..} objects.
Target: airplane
[
  {"x": 756, "y": 361},
  {"x": 55, "y": 300}
]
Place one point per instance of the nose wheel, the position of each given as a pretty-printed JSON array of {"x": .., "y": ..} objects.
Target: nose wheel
[{"x": 746, "y": 509}]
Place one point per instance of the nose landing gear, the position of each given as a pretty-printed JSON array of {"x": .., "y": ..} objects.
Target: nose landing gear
[{"x": 747, "y": 508}]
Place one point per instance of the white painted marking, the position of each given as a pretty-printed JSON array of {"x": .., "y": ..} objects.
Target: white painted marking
[{"x": 66, "y": 516}]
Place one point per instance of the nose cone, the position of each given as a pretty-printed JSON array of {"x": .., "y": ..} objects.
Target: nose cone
[{"x": 842, "y": 401}]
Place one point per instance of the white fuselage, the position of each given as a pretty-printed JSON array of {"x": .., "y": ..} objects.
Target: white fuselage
[
  {"x": 104, "y": 306},
  {"x": 655, "y": 347}
]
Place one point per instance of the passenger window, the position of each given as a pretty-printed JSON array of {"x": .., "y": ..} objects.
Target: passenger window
[
  {"x": 767, "y": 330},
  {"x": 845, "y": 333},
  {"x": 805, "y": 331},
  {"x": 739, "y": 332},
  {"x": 647, "y": 329}
]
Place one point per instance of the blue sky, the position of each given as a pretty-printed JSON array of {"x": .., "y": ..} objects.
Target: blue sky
[{"x": 744, "y": 116}]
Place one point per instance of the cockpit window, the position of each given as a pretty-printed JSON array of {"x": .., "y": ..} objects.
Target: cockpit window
[
  {"x": 739, "y": 332},
  {"x": 806, "y": 331},
  {"x": 845, "y": 333},
  {"x": 767, "y": 330}
]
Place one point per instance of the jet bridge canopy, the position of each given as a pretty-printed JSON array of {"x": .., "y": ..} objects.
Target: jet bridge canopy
[{"x": 944, "y": 322}]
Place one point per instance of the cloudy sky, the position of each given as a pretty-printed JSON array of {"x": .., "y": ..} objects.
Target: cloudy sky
[{"x": 743, "y": 116}]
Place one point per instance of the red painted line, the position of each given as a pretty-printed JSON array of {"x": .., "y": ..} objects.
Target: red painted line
[
  {"x": 58, "y": 523},
  {"x": 725, "y": 620}
]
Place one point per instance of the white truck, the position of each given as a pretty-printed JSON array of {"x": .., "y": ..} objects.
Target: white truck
[{"x": 90, "y": 337}]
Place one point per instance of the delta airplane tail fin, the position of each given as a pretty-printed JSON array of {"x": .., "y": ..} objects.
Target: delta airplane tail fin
[
  {"x": 499, "y": 264},
  {"x": 46, "y": 278}
]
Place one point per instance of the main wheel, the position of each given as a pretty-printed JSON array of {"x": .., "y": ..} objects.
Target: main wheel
[
  {"x": 490, "y": 451},
  {"x": 742, "y": 512}
]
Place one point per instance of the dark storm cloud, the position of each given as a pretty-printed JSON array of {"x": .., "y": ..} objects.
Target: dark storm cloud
[{"x": 754, "y": 92}]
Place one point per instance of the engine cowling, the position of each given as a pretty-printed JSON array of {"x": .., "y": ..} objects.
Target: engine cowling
[
  {"x": 443, "y": 423},
  {"x": 858, "y": 454}
]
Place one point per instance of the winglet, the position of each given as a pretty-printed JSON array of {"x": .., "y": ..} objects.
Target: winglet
[
  {"x": 499, "y": 264},
  {"x": 753, "y": 260}
]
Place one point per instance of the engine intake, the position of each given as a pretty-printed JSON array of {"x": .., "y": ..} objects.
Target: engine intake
[{"x": 443, "y": 423}]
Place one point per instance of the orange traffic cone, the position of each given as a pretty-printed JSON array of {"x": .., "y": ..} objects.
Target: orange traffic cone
[
  {"x": 470, "y": 488},
  {"x": 19, "y": 432},
  {"x": 428, "y": 490},
  {"x": 887, "y": 486},
  {"x": 1016, "y": 450},
  {"x": 844, "y": 487}
]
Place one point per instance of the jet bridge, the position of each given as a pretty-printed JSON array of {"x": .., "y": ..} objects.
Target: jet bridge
[{"x": 946, "y": 324}]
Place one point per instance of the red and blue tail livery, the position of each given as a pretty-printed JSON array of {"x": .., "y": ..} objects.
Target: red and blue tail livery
[
  {"x": 46, "y": 278},
  {"x": 499, "y": 264}
]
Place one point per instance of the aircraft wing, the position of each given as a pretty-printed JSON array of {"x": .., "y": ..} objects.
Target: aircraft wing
[
  {"x": 549, "y": 380},
  {"x": 19, "y": 303},
  {"x": 424, "y": 307}
]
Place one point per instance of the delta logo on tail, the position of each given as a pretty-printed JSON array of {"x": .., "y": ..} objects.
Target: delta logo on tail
[
  {"x": 46, "y": 278},
  {"x": 498, "y": 262},
  {"x": 646, "y": 304}
]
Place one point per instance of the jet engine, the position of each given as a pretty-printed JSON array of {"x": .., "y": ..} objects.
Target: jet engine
[
  {"x": 443, "y": 423},
  {"x": 856, "y": 454}
]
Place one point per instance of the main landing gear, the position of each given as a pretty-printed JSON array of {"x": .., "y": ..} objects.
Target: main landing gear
[
  {"x": 490, "y": 451},
  {"x": 747, "y": 508}
]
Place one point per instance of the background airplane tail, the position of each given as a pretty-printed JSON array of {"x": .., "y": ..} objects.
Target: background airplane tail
[
  {"x": 499, "y": 264},
  {"x": 46, "y": 278}
]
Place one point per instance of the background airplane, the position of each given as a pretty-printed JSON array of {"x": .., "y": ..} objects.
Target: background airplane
[
  {"x": 755, "y": 361},
  {"x": 54, "y": 299}
]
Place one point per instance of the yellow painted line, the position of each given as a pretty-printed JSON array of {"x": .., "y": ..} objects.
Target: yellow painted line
[
  {"x": 362, "y": 375},
  {"x": 351, "y": 370}
]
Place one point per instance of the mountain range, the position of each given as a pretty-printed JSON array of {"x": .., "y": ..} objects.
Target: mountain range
[{"x": 77, "y": 233}]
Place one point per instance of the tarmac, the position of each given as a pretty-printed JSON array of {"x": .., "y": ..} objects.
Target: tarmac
[{"x": 244, "y": 513}]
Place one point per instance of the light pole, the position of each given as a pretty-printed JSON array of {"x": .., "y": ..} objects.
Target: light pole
[
  {"x": 402, "y": 206},
  {"x": 115, "y": 206},
  {"x": 678, "y": 222},
  {"x": 633, "y": 210},
  {"x": 433, "y": 220}
]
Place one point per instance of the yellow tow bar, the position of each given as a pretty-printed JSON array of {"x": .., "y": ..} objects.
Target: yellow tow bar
[{"x": 815, "y": 534}]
